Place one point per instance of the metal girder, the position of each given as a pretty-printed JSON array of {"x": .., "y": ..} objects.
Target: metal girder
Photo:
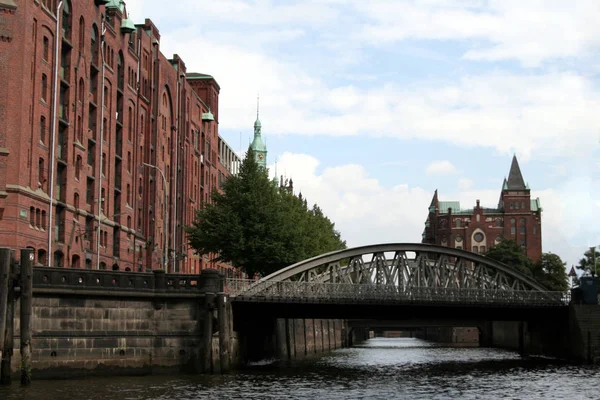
[{"x": 401, "y": 268}]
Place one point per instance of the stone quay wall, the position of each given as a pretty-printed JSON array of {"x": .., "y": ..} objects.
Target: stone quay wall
[{"x": 107, "y": 323}]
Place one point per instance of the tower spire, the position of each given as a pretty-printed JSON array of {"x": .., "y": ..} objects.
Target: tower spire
[{"x": 257, "y": 105}]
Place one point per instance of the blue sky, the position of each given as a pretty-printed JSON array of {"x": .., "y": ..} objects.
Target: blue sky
[{"x": 372, "y": 105}]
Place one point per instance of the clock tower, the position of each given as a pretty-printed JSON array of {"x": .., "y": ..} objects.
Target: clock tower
[{"x": 258, "y": 146}]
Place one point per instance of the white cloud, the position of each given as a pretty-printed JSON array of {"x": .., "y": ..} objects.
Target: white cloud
[
  {"x": 465, "y": 183},
  {"x": 537, "y": 115},
  {"x": 365, "y": 212},
  {"x": 443, "y": 167},
  {"x": 528, "y": 31}
]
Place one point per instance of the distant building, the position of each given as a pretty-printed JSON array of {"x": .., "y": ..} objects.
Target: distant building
[
  {"x": 517, "y": 217},
  {"x": 107, "y": 147}
]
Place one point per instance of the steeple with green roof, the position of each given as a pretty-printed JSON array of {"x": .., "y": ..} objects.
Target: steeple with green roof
[{"x": 258, "y": 146}]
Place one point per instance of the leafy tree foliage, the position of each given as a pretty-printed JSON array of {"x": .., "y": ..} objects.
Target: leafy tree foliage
[
  {"x": 550, "y": 271},
  {"x": 511, "y": 253},
  {"x": 259, "y": 228},
  {"x": 586, "y": 264}
]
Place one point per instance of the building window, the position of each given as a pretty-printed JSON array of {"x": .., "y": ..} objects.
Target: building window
[
  {"x": 45, "y": 87},
  {"x": 482, "y": 249},
  {"x": 32, "y": 216},
  {"x": 523, "y": 205},
  {"x": 458, "y": 223},
  {"x": 523, "y": 244},
  {"x": 89, "y": 193},
  {"x": 128, "y": 194},
  {"x": 81, "y": 34},
  {"x": 41, "y": 175},
  {"x": 76, "y": 200},
  {"x": 129, "y": 161},
  {"x": 458, "y": 238},
  {"x": 512, "y": 205},
  {"x": 43, "y": 129},
  {"x": 94, "y": 44},
  {"x": 475, "y": 249},
  {"x": 104, "y": 164},
  {"x": 78, "y": 165},
  {"x": 517, "y": 205},
  {"x": 534, "y": 229},
  {"x": 478, "y": 237},
  {"x": 46, "y": 53}
]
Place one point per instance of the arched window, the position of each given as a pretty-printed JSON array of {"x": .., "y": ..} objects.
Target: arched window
[
  {"x": 120, "y": 71},
  {"x": 58, "y": 259},
  {"x": 45, "y": 88},
  {"x": 513, "y": 228},
  {"x": 42, "y": 257},
  {"x": 43, "y": 129},
  {"x": 103, "y": 265},
  {"x": 75, "y": 261},
  {"x": 46, "y": 53},
  {"x": 94, "y": 44},
  {"x": 66, "y": 20},
  {"x": 81, "y": 34},
  {"x": 78, "y": 165}
]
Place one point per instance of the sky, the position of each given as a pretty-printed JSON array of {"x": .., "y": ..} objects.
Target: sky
[{"x": 370, "y": 106}]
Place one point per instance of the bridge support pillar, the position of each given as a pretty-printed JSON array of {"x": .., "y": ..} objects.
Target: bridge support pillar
[
  {"x": 224, "y": 340},
  {"x": 210, "y": 283},
  {"x": 4, "y": 278},
  {"x": 523, "y": 339},
  {"x": 486, "y": 334}
]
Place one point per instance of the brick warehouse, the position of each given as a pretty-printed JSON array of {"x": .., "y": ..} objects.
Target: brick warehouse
[
  {"x": 517, "y": 217},
  {"x": 121, "y": 115}
]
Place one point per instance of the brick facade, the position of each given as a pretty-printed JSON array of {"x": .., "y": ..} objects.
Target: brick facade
[
  {"x": 148, "y": 111},
  {"x": 517, "y": 217}
]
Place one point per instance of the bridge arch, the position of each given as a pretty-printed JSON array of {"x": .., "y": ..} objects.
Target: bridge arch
[{"x": 406, "y": 265}]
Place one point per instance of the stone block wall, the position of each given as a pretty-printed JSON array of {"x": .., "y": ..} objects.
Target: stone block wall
[{"x": 76, "y": 335}]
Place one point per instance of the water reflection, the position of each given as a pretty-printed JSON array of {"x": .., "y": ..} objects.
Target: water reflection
[{"x": 380, "y": 369}]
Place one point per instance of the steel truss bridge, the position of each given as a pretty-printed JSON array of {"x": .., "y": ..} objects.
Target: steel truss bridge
[{"x": 399, "y": 274}]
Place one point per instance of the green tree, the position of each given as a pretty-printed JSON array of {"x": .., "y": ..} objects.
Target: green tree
[
  {"x": 511, "y": 253},
  {"x": 551, "y": 272},
  {"x": 258, "y": 228},
  {"x": 586, "y": 264}
]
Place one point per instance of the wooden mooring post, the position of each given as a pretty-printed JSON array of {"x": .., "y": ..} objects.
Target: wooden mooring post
[
  {"x": 26, "y": 312},
  {"x": 4, "y": 278},
  {"x": 8, "y": 330}
]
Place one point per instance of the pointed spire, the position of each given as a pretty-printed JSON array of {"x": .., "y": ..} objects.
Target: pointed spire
[
  {"x": 257, "y": 105},
  {"x": 515, "y": 178},
  {"x": 434, "y": 199}
]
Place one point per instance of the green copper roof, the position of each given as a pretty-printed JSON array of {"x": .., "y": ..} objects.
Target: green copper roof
[
  {"x": 196, "y": 75},
  {"x": 10, "y": 4},
  {"x": 505, "y": 185},
  {"x": 114, "y": 4},
  {"x": 258, "y": 144},
  {"x": 536, "y": 205},
  {"x": 445, "y": 205},
  {"x": 127, "y": 26},
  {"x": 208, "y": 116},
  {"x": 257, "y": 123}
]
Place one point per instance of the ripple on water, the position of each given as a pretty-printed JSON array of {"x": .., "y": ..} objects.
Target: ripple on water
[{"x": 380, "y": 369}]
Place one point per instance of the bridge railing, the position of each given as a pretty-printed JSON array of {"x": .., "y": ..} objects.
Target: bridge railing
[
  {"x": 82, "y": 279},
  {"x": 233, "y": 286},
  {"x": 302, "y": 291}
]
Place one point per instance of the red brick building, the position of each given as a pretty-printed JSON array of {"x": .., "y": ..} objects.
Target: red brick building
[
  {"x": 106, "y": 146},
  {"x": 517, "y": 217}
]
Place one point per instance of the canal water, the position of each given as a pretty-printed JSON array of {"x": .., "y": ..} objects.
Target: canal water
[{"x": 380, "y": 369}]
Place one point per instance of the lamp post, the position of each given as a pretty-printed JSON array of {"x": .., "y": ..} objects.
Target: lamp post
[
  {"x": 166, "y": 217},
  {"x": 53, "y": 132},
  {"x": 99, "y": 172}
]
